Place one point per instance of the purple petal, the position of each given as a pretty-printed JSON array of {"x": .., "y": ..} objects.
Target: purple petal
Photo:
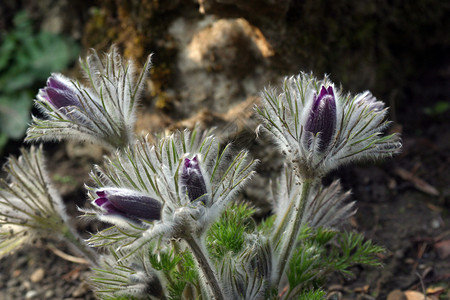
[
  {"x": 323, "y": 92},
  {"x": 128, "y": 204},
  {"x": 100, "y": 201},
  {"x": 60, "y": 92},
  {"x": 53, "y": 82},
  {"x": 112, "y": 210},
  {"x": 61, "y": 98},
  {"x": 322, "y": 118},
  {"x": 43, "y": 94},
  {"x": 139, "y": 207},
  {"x": 192, "y": 180},
  {"x": 187, "y": 163},
  {"x": 330, "y": 90},
  {"x": 100, "y": 193}
]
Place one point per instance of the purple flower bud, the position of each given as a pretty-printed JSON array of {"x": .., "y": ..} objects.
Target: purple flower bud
[
  {"x": 192, "y": 180},
  {"x": 322, "y": 117},
  {"x": 128, "y": 204},
  {"x": 60, "y": 92}
]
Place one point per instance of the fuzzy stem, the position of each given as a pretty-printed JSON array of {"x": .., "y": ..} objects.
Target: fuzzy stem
[
  {"x": 289, "y": 239},
  {"x": 283, "y": 224},
  {"x": 211, "y": 279},
  {"x": 77, "y": 242}
]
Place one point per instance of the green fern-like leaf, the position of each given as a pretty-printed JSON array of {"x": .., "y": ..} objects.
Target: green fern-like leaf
[
  {"x": 351, "y": 250},
  {"x": 228, "y": 234},
  {"x": 322, "y": 252}
]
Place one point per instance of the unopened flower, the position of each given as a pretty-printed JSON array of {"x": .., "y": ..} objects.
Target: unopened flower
[
  {"x": 31, "y": 209},
  {"x": 206, "y": 183},
  {"x": 28, "y": 207},
  {"x": 103, "y": 112},
  {"x": 322, "y": 117},
  {"x": 319, "y": 128},
  {"x": 192, "y": 179},
  {"x": 60, "y": 92},
  {"x": 194, "y": 193},
  {"x": 185, "y": 173},
  {"x": 127, "y": 204}
]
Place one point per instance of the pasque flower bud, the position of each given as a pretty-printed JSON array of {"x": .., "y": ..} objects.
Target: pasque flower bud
[
  {"x": 128, "y": 204},
  {"x": 60, "y": 92},
  {"x": 192, "y": 180},
  {"x": 322, "y": 118},
  {"x": 319, "y": 128},
  {"x": 102, "y": 112}
]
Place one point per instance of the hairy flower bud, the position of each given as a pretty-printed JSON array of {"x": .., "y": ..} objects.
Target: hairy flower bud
[
  {"x": 60, "y": 92},
  {"x": 192, "y": 180},
  {"x": 319, "y": 130},
  {"x": 128, "y": 204},
  {"x": 322, "y": 118},
  {"x": 102, "y": 112}
]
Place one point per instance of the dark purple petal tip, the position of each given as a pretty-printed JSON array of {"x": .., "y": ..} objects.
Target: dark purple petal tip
[
  {"x": 330, "y": 90},
  {"x": 100, "y": 193},
  {"x": 100, "y": 201},
  {"x": 187, "y": 163},
  {"x": 323, "y": 92}
]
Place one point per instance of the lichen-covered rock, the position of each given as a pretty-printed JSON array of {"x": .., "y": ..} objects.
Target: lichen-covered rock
[
  {"x": 220, "y": 63},
  {"x": 268, "y": 15}
]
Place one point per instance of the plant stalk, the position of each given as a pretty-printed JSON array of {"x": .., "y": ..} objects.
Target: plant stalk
[
  {"x": 290, "y": 238},
  {"x": 211, "y": 279}
]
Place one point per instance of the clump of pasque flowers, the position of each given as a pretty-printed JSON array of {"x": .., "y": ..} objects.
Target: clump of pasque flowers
[
  {"x": 177, "y": 232},
  {"x": 182, "y": 184}
]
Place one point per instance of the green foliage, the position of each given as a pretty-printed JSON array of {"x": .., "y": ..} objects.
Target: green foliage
[
  {"x": 322, "y": 252},
  {"x": 229, "y": 233},
  {"x": 312, "y": 295},
  {"x": 266, "y": 225},
  {"x": 351, "y": 249},
  {"x": 178, "y": 269},
  {"x": 306, "y": 263},
  {"x": 26, "y": 60},
  {"x": 164, "y": 261}
]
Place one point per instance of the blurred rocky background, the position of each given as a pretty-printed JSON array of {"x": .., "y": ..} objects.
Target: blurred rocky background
[{"x": 211, "y": 58}]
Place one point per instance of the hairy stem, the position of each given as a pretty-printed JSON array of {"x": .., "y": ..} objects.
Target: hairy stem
[
  {"x": 212, "y": 283},
  {"x": 289, "y": 239}
]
